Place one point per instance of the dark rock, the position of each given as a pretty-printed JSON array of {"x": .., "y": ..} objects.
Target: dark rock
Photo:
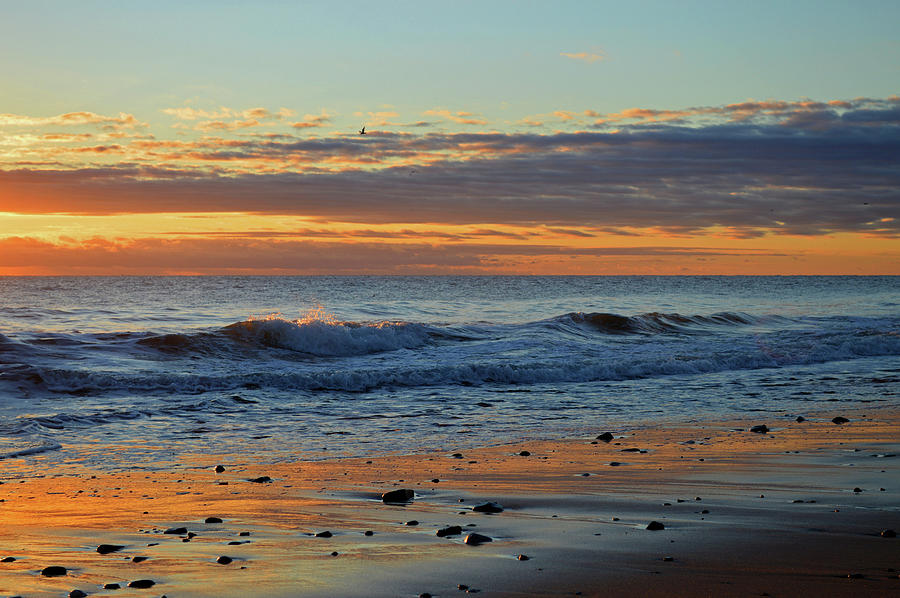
[
  {"x": 855, "y": 576},
  {"x": 488, "y": 507},
  {"x": 857, "y": 489},
  {"x": 244, "y": 534},
  {"x": 457, "y": 455},
  {"x": 435, "y": 481},
  {"x": 77, "y": 594},
  {"x": 8, "y": 559},
  {"x": 213, "y": 520},
  {"x": 178, "y": 531},
  {"x": 760, "y": 429},
  {"x": 654, "y": 526},
  {"x": 474, "y": 539},
  {"x": 462, "y": 587},
  {"x": 53, "y": 571},
  {"x": 139, "y": 559},
  {"x": 605, "y": 437},
  {"x": 523, "y": 557},
  {"x": 368, "y": 532},
  {"x": 424, "y": 595},
  {"x": 524, "y": 454},
  {"x": 141, "y": 583},
  {"x": 107, "y": 548},
  {"x": 219, "y": 469},
  {"x": 630, "y": 450},
  {"x": 235, "y": 543},
  {"x": 453, "y": 530},
  {"x": 401, "y": 495},
  {"x": 224, "y": 560},
  {"x": 614, "y": 463},
  {"x": 412, "y": 522},
  {"x": 112, "y": 586},
  {"x": 191, "y": 535},
  {"x": 483, "y": 404},
  {"x": 335, "y": 553},
  {"x": 668, "y": 559},
  {"x": 325, "y": 534},
  {"x": 800, "y": 418},
  {"x": 261, "y": 479},
  {"x": 888, "y": 533},
  {"x": 704, "y": 511},
  {"x": 840, "y": 420}
]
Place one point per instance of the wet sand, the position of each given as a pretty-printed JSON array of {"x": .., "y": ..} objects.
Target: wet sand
[{"x": 744, "y": 514}]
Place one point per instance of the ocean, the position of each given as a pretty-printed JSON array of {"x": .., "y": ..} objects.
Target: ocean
[{"x": 124, "y": 372}]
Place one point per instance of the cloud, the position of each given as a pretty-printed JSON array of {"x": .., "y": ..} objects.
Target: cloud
[
  {"x": 461, "y": 117},
  {"x": 588, "y": 57},
  {"x": 120, "y": 121},
  {"x": 746, "y": 170}
]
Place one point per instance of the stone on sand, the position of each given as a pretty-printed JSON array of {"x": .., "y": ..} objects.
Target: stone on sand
[
  {"x": 840, "y": 420},
  {"x": 401, "y": 495},
  {"x": 223, "y": 560},
  {"x": 53, "y": 571},
  {"x": 141, "y": 583},
  {"x": 452, "y": 530},
  {"x": 178, "y": 531},
  {"x": 605, "y": 437},
  {"x": 77, "y": 594},
  {"x": 760, "y": 429},
  {"x": 263, "y": 479},
  {"x": 654, "y": 526},
  {"x": 107, "y": 548},
  {"x": 474, "y": 539},
  {"x": 488, "y": 507},
  {"x": 213, "y": 520}
]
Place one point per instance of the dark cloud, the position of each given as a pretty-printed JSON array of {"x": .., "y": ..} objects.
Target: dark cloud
[{"x": 812, "y": 170}]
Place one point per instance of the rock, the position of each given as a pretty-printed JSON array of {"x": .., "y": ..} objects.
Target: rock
[
  {"x": 244, "y": 534},
  {"x": 112, "y": 586},
  {"x": 53, "y": 571},
  {"x": 462, "y": 587},
  {"x": 178, "y": 531},
  {"x": 107, "y": 548},
  {"x": 800, "y": 419},
  {"x": 8, "y": 559},
  {"x": 435, "y": 481},
  {"x": 488, "y": 507},
  {"x": 368, "y": 532},
  {"x": 524, "y": 454},
  {"x": 213, "y": 520},
  {"x": 77, "y": 594},
  {"x": 614, "y": 463},
  {"x": 523, "y": 557},
  {"x": 654, "y": 526},
  {"x": 141, "y": 583},
  {"x": 452, "y": 530},
  {"x": 855, "y": 576},
  {"x": 223, "y": 560},
  {"x": 474, "y": 539},
  {"x": 139, "y": 559},
  {"x": 219, "y": 469},
  {"x": 412, "y": 522},
  {"x": 484, "y": 404},
  {"x": 235, "y": 543},
  {"x": 668, "y": 559},
  {"x": 857, "y": 489},
  {"x": 630, "y": 450},
  {"x": 840, "y": 420},
  {"x": 263, "y": 479},
  {"x": 402, "y": 495},
  {"x": 457, "y": 455},
  {"x": 424, "y": 595},
  {"x": 760, "y": 429},
  {"x": 605, "y": 437},
  {"x": 325, "y": 534},
  {"x": 888, "y": 533},
  {"x": 191, "y": 535},
  {"x": 334, "y": 553}
]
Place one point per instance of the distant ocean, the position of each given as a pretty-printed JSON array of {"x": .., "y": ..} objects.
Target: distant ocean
[{"x": 125, "y": 371}]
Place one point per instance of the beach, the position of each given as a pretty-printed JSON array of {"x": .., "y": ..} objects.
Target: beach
[{"x": 804, "y": 508}]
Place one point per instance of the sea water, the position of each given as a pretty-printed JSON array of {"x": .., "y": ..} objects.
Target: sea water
[{"x": 127, "y": 371}]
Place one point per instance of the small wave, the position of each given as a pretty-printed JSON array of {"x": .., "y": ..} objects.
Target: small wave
[
  {"x": 653, "y": 323},
  {"x": 10, "y": 450},
  {"x": 321, "y": 335}
]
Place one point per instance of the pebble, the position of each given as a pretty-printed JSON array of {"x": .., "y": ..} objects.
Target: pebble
[
  {"x": 760, "y": 429},
  {"x": 474, "y": 539},
  {"x": 840, "y": 420},
  {"x": 524, "y": 454},
  {"x": 412, "y": 522},
  {"x": 112, "y": 586},
  {"x": 261, "y": 479},
  {"x": 7, "y": 559},
  {"x": 614, "y": 463},
  {"x": 178, "y": 531},
  {"x": 53, "y": 571},
  {"x": 335, "y": 553},
  {"x": 523, "y": 557},
  {"x": 325, "y": 534},
  {"x": 857, "y": 489},
  {"x": 219, "y": 469},
  {"x": 888, "y": 533},
  {"x": 401, "y": 495},
  {"x": 488, "y": 507},
  {"x": 141, "y": 583},
  {"x": 655, "y": 526},
  {"x": 77, "y": 594},
  {"x": 223, "y": 560},
  {"x": 368, "y": 532},
  {"x": 462, "y": 587},
  {"x": 424, "y": 595},
  {"x": 213, "y": 520},
  {"x": 453, "y": 530},
  {"x": 107, "y": 548},
  {"x": 139, "y": 559},
  {"x": 668, "y": 559},
  {"x": 605, "y": 437},
  {"x": 244, "y": 534},
  {"x": 800, "y": 418}
]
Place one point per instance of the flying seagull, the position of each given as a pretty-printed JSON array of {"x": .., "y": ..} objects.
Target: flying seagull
[{"x": 363, "y": 130}]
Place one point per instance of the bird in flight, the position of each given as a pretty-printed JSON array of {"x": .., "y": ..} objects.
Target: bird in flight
[{"x": 363, "y": 130}]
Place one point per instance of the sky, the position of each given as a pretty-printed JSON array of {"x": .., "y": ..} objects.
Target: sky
[{"x": 219, "y": 137}]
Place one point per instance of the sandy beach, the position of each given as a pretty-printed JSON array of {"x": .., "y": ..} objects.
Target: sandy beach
[{"x": 800, "y": 510}]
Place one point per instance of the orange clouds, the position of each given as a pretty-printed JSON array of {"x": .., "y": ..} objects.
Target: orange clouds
[
  {"x": 461, "y": 117},
  {"x": 588, "y": 57}
]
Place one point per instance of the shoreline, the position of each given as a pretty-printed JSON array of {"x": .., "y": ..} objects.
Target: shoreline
[{"x": 805, "y": 535}]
